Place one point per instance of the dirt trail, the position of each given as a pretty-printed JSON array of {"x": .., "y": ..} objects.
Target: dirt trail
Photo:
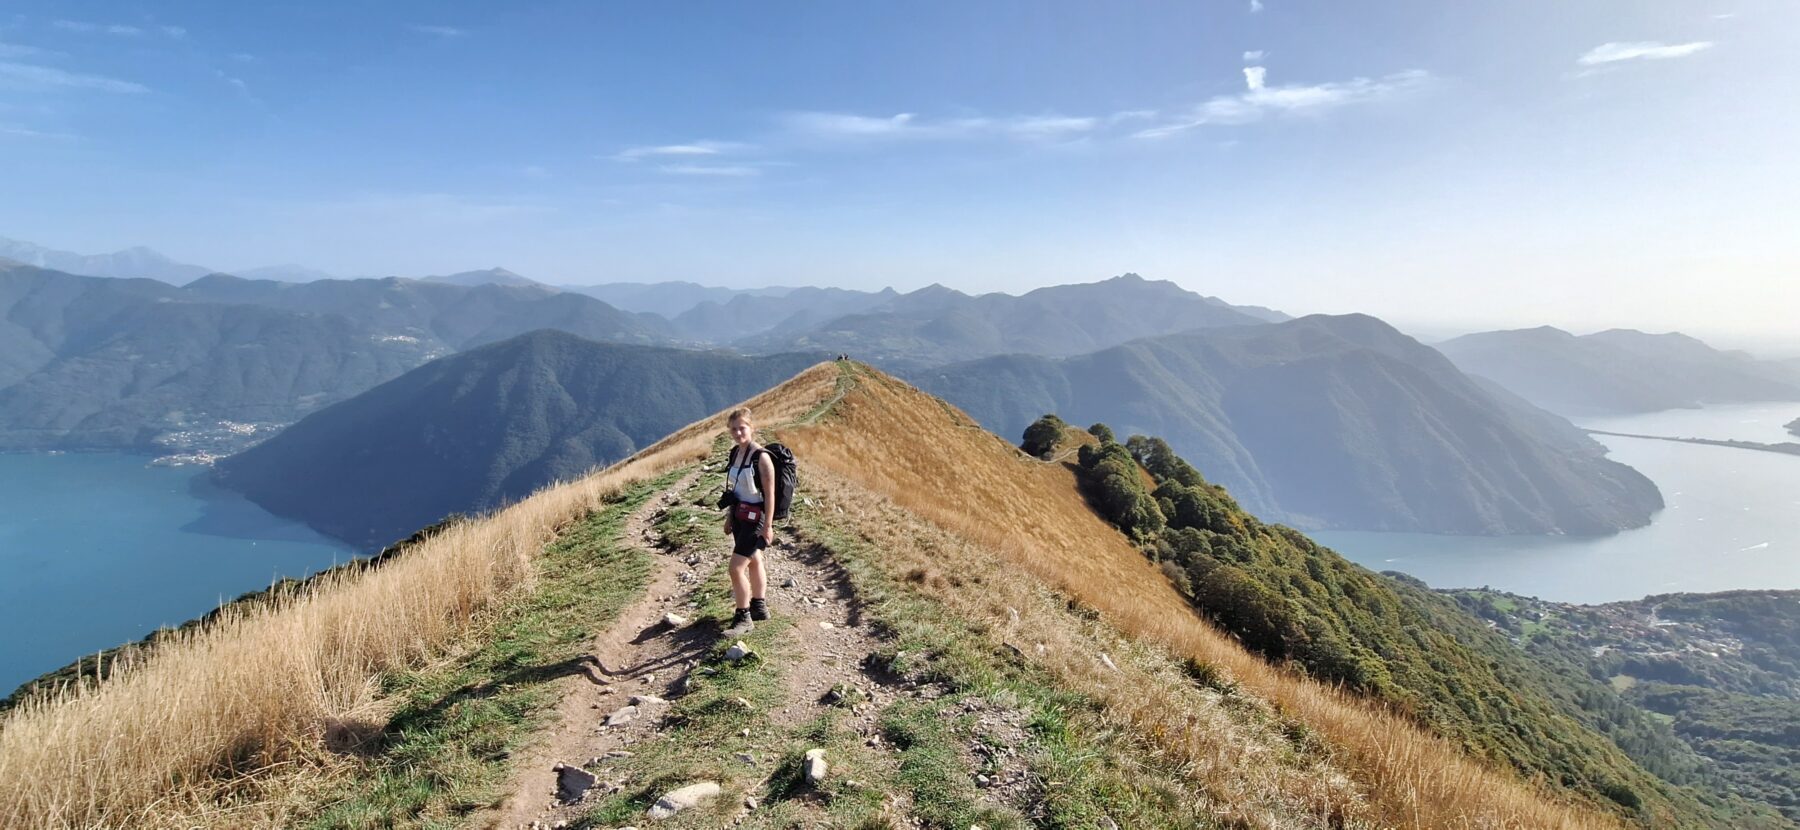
[
  {"x": 637, "y": 655},
  {"x": 829, "y": 645}
]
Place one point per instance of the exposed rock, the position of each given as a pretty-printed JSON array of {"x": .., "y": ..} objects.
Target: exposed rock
[
  {"x": 816, "y": 766},
  {"x": 674, "y": 620},
  {"x": 572, "y": 783},
  {"x": 621, "y": 716},
  {"x": 789, "y": 583},
  {"x": 674, "y": 801},
  {"x": 647, "y": 700},
  {"x": 738, "y": 651},
  {"x": 1108, "y": 661},
  {"x": 825, "y": 625}
]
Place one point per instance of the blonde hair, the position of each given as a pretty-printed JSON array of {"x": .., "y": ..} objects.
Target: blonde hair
[{"x": 741, "y": 413}]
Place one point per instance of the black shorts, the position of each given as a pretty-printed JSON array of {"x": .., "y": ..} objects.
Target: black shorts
[{"x": 746, "y": 539}]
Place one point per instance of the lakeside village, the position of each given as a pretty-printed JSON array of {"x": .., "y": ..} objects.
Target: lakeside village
[{"x": 205, "y": 444}]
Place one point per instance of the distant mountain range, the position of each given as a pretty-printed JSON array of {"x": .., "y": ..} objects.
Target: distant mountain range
[
  {"x": 1619, "y": 371},
  {"x": 100, "y": 363},
  {"x": 139, "y": 262},
  {"x": 937, "y": 325},
  {"x": 669, "y": 299},
  {"x": 487, "y": 426},
  {"x": 107, "y": 363},
  {"x": 1324, "y": 422}
]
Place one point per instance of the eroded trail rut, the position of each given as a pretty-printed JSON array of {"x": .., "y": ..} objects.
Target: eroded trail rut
[{"x": 822, "y": 649}]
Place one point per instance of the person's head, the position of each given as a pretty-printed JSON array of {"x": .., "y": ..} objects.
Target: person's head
[{"x": 742, "y": 428}]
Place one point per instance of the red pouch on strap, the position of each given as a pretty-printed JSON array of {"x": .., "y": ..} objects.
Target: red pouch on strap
[{"x": 746, "y": 512}]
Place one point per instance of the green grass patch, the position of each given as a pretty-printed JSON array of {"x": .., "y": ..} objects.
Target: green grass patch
[
  {"x": 444, "y": 752},
  {"x": 1083, "y": 771}
]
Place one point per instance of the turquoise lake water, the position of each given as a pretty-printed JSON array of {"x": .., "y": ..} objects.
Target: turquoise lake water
[
  {"x": 100, "y": 549},
  {"x": 1732, "y": 521}
]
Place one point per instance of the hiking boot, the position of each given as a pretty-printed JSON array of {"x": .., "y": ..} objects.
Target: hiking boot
[
  {"x": 740, "y": 623},
  {"x": 759, "y": 609}
]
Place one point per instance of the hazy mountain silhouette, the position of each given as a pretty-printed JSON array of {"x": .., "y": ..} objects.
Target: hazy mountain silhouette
[
  {"x": 489, "y": 276},
  {"x": 1618, "y": 371},
  {"x": 132, "y": 263},
  {"x": 1324, "y": 422},
  {"x": 936, "y": 325},
  {"x": 668, "y": 299}
]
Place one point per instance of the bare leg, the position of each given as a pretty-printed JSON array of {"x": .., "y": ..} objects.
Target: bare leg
[
  {"x": 759, "y": 578},
  {"x": 740, "y": 579}
]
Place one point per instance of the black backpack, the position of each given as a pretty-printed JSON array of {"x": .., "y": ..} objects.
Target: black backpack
[{"x": 786, "y": 478}]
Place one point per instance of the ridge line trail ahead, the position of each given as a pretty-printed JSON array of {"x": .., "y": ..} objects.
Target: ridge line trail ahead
[{"x": 819, "y": 639}]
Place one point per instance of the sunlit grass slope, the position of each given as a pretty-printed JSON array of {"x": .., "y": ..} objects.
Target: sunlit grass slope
[
  {"x": 229, "y": 725},
  {"x": 930, "y": 460}
]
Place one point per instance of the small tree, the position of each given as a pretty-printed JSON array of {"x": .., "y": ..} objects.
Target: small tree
[
  {"x": 1102, "y": 432},
  {"x": 1042, "y": 436}
]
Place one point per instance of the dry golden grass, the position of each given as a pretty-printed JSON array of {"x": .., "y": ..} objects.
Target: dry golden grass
[
  {"x": 898, "y": 444},
  {"x": 228, "y": 726}
]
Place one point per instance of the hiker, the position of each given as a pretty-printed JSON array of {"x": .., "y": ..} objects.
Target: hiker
[{"x": 748, "y": 521}]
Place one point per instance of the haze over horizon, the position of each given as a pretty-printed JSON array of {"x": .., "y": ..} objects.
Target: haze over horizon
[{"x": 1613, "y": 164}]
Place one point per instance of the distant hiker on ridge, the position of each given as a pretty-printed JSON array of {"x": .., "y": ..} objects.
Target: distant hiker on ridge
[{"x": 748, "y": 520}]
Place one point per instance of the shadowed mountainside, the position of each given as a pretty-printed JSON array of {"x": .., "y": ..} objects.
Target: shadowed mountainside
[
  {"x": 482, "y": 428},
  {"x": 1325, "y": 422}
]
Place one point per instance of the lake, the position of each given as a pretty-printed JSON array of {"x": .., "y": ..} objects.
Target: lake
[
  {"x": 101, "y": 549},
  {"x": 1732, "y": 521}
]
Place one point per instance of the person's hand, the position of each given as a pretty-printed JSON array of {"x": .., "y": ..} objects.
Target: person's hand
[
  {"x": 728, "y": 524},
  {"x": 768, "y": 534}
]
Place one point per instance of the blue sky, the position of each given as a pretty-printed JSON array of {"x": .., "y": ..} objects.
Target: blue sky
[{"x": 1607, "y": 162}]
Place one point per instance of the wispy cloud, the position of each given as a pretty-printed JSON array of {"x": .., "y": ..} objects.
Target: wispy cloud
[
  {"x": 737, "y": 171},
  {"x": 1253, "y": 56},
  {"x": 840, "y": 127},
  {"x": 439, "y": 31},
  {"x": 692, "y": 149},
  {"x": 1641, "y": 50},
  {"x": 25, "y": 132},
  {"x": 118, "y": 29},
  {"x": 14, "y": 50},
  {"x": 1260, "y": 100},
  {"x": 43, "y": 78},
  {"x": 1255, "y": 6}
]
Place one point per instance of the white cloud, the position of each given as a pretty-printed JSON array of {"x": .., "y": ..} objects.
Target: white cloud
[
  {"x": 1255, "y": 6},
  {"x": 42, "y": 78},
  {"x": 1253, "y": 56},
  {"x": 14, "y": 50},
  {"x": 119, "y": 29},
  {"x": 24, "y": 132},
  {"x": 440, "y": 31},
  {"x": 721, "y": 170},
  {"x": 838, "y": 126},
  {"x": 696, "y": 148},
  {"x": 1260, "y": 100},
  {"x": 1641, "y": 50}
]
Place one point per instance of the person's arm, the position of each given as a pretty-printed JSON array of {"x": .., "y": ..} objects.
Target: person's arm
[
  {"x": 730, "y": 512},
  {"x": 765, "y": 470}
]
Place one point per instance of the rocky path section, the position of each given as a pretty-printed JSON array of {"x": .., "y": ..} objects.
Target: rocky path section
[{"x": 615, "y": 732}]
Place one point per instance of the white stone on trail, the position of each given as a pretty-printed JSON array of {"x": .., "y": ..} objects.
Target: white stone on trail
[
  {"x": 674, "y": 801},
  {"x": 738, "y": 651},
  {"x": 621, "y": 716},
  {"x": 674, "y": 620},
  {"x": 825, "y": 625},
  {"x": 647, "y": 700},
  {"x": 1108, "y": 661},
  {"x": 815, "y": 766}
]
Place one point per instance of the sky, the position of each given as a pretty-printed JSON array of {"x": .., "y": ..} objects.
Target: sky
[{"x": 1450, "y": 165}]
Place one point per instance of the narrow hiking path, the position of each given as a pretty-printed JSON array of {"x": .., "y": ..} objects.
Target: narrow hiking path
[{"x": 815, "y": 677}]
